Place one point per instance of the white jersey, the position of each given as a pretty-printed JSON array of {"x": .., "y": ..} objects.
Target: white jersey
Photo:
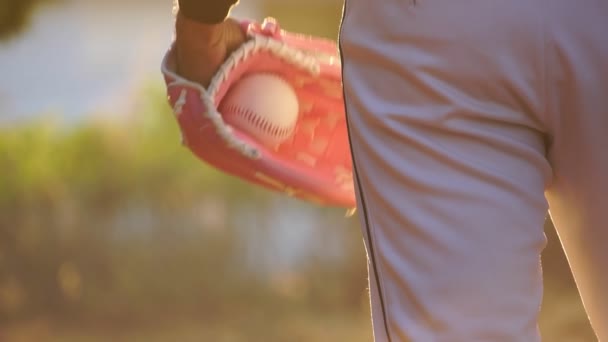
[{"x": 468, "y": 121}]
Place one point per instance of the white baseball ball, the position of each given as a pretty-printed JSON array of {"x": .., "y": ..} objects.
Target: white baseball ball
[{"x": 263, "y": 105}]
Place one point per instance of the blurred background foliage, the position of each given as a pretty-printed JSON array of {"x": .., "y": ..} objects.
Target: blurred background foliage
[
  {"x": 15, "y": 15},
  {"x": 112, "y": 226},
  {"x": 114, "y": 231}
]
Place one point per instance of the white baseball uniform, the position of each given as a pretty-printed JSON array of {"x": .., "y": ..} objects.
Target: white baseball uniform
[{"x": 468, "y": 120}]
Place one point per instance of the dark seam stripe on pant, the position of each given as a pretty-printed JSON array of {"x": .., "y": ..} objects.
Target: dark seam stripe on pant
[{"x": 370, "y": 239}]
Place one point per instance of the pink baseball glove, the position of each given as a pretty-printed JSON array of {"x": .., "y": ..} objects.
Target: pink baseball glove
[{"x": 314, "y": 163}]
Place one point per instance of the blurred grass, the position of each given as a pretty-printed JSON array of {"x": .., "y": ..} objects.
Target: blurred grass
[{"x": 296, "y": 327}]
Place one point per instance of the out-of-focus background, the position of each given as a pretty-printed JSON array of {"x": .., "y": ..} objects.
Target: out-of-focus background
[{"x": 111, "y": 231}]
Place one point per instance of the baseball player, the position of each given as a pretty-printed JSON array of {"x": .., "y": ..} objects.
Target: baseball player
[{"x": 468, "y": 121}]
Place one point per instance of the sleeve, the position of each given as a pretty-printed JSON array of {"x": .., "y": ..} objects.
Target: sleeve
[{"x": 206, "y": 11}]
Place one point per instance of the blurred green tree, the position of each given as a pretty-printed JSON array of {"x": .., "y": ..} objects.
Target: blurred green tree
[
  {"x": 14, "y": 16},
  {"x": 315, "y": 17}
]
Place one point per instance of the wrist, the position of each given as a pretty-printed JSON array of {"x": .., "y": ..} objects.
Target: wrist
[
  {"x": 195, "y": 31},
  {"x": 208, "y": 12}
]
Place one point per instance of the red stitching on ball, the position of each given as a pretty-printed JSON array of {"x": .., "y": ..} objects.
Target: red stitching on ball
[{"x": 257, "y": 121}]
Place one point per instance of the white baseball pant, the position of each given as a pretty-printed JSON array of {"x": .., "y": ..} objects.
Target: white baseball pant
[{"x": 468, "y": 120}]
